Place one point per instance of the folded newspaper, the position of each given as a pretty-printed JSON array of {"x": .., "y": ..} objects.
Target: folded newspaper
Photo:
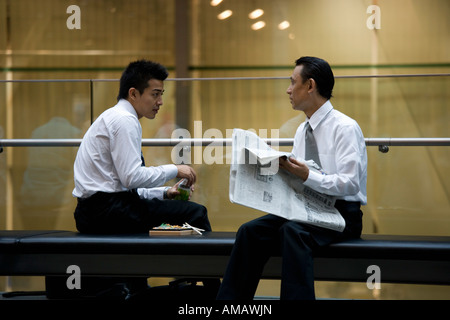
[{"x": 256, "y": 181}]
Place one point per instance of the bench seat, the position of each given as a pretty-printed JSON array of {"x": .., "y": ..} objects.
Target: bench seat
[{"x": 402, "y": 259}]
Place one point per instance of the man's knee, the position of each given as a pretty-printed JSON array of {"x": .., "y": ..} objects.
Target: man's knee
[
  {"x": 199, "y": 213},
  {"x": 246, "y": 228},
  {"x": 295, "y": 231}
]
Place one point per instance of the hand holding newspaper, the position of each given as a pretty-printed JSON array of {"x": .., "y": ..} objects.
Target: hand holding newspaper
[{"x": 256, "y": 181}]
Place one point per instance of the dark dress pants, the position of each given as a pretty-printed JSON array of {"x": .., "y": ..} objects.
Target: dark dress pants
[
  {"x": 259, "y": 239},
  {"x": 126, "y": 212}
]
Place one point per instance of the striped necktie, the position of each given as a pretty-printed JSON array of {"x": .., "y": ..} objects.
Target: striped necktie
[{"x": 311, "y": 151}]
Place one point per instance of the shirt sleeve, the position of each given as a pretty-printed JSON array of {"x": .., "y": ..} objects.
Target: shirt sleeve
[
  {"x": 348, "y": 158},
  {"x": 151, "y": 193}
]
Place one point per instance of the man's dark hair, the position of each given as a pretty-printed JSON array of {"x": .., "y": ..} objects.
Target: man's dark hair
[
  {"x": 319, "y": 70},
  {"x": 137, "y": 75}
]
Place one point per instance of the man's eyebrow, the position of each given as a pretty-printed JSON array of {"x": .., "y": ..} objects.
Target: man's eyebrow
[{"x": 159, "y": 90}]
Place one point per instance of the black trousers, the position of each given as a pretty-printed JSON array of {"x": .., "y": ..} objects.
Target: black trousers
[
  {"x": 259, "y": 239},
  {"x": 126, "y": 212}
]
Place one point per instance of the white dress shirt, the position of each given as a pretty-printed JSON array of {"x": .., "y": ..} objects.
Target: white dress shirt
[
  {"x": 109, "y": 157},
  {"x": 342, "y": 154}
]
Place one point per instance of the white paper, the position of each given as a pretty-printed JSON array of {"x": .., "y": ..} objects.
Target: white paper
[{"x": 256, "y": 181}]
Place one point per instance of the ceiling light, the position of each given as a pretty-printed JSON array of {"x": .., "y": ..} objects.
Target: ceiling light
[
  {"x": 258, "y": 25},
  {"x": 256, "y": 13},
  {"x": 215, "y": 2},
  {"x": 224, "y": 15},
  {"x": 284, "y": 25}
]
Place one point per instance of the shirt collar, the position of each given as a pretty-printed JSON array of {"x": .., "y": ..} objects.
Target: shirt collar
[
  {"x": 126, "y": 105},
  {"x": 320, "y": 114}
]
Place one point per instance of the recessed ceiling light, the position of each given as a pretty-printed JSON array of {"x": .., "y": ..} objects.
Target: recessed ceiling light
[
  {"x": 224, "y": 14},
  {"x": 256, "y": 13},
  {"x": 284, "y": 25},
  {"x": 258, "y": 25},
  {"x": 215, "y": 2}
]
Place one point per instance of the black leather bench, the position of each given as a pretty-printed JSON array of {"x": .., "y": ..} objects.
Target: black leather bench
[{"x": 401, "y": 259}]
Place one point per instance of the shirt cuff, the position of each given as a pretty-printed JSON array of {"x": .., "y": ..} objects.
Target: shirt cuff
[
  {"x": 151, "y": 193},
  {"x": 314, "y": 180},
  {"x": 170, "y": 170}
]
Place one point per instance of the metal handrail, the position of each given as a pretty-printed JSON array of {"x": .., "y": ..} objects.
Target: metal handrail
[
  {"x": 419, "y": 75},
  {"x": 386, "y": 142}
]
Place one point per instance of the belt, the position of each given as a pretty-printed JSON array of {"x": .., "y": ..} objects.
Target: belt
[
  {"x": 99, "y": 193},
  {"x": 348, "y": 202}
]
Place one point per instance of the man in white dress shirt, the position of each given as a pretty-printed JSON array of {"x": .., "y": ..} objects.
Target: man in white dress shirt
[
  {"x": 341, "y": 152},
  {"x": 116, "y": 192}
]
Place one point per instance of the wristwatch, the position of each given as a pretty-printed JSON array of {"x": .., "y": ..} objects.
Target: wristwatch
[{"x": 165, "y": 196}]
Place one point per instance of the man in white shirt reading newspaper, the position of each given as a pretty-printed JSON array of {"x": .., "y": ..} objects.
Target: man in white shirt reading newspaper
[{"x": 341, "y": 152}]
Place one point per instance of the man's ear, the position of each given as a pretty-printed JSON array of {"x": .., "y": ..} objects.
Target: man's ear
[
  {"x": 311, "y": 85},
  {"x": 132, "y": 93}
]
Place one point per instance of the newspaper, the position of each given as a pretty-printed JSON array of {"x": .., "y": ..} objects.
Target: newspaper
[{"x": 256, "y": 181}]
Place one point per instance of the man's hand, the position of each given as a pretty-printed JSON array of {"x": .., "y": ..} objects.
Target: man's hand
[
  {"x": 173, "y": 191},
  {"x": 295, "y": 167},
  {"x": 185, "y": 171}
]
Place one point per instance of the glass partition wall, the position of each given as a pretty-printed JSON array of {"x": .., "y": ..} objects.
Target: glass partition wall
[{"x": 56, "y": 79}]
